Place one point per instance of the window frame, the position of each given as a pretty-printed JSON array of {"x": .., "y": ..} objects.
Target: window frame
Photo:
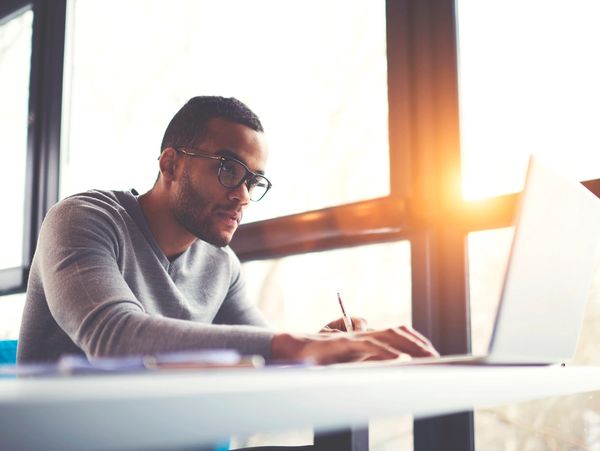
[
  {"x": 43, "y": 133},
  {"x": 11, "y": 8}
]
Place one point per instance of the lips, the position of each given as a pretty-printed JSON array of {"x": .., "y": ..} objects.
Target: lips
[{"x": 233, "y": 217}]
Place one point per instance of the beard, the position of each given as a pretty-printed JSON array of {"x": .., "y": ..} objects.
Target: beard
[{"x": 197, "y": 214}]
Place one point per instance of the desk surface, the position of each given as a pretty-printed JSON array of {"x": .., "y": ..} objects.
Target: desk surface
[{"x": 180, "y": 409}]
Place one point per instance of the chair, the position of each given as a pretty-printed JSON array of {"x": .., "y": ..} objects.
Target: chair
[{"x": 8, "y": 352}]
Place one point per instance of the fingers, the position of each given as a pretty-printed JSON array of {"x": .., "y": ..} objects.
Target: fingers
[
  {"x": 416, "y": 334},
  {"x": 361, "y": 349},
  {"x": 329, "y": 330},
  {"x": 409, "y": 331},
  {"x": 358, "y": 324},
  {"x": 405, "y": 339},
  {"x": 328, "y": 348},
  {"x": 338, "y": 348}
]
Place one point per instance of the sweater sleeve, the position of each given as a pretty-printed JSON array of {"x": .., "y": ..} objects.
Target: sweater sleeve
[{"x": 89, "y": 299}]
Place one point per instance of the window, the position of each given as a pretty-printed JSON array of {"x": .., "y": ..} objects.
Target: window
[
  {"x": 566, "y": 422},
  {"x": 559, "y": 422},
  {"x": 31, "y": 54},
  {"x": 528, "y": 84},
  {"x": 298, "y": 293},
  {"x": 488, "y": 256},
  {"x": 15, "y": 57},
  {"x": 321, "y": 95},
  {"x": 11, "y": 309}
]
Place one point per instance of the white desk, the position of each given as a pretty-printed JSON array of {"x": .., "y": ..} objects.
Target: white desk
[{"x": 172, "y": 410}]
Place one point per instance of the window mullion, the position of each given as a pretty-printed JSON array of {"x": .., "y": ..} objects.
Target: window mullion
[
  {"x": 44, "y": 117},
  {"x": 427, "y": 85}
]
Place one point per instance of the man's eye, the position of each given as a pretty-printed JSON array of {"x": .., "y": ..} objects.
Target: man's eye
[
  {"x": 233, "y": 169},
  {"x": 228, "y": 167}
]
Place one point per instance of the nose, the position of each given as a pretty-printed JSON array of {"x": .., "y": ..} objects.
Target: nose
[{"x": 240, "y": 194}]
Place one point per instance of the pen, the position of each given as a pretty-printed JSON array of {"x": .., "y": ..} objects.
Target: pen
[{"x": 347, "y": 320}]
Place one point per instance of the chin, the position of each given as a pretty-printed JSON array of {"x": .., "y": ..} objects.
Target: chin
[
  {"x": 217, "y": 236},
  {"x": 222, "y": 243},
  {"x": 218, "y": 239}
]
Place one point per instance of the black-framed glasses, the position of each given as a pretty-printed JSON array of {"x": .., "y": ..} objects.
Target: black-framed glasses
[{"x": 232, "y": 173}]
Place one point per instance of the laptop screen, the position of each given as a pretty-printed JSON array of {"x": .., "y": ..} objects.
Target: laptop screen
[{"x": 550, "y": 269}]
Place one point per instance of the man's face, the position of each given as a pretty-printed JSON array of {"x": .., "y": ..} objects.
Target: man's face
[{"x": 201, "y": 204}]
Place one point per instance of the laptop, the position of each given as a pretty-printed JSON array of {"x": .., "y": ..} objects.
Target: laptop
[{"x": 551, "y": 265}]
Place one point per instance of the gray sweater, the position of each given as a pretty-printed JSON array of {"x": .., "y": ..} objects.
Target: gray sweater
[{"x": 100, "y": 286}]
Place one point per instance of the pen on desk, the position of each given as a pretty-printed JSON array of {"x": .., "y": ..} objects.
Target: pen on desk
[{"x": 347, "y": 320}]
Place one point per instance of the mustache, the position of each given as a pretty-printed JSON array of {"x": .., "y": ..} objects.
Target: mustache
[
  {"x": 232, "y": 206},
  {"x": 235, "y": 210}
]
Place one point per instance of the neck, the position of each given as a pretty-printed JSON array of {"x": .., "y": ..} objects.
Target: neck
[{"x": 170, "y": 236}]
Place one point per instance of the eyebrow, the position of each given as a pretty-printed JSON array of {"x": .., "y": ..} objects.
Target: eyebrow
[{"x": 231, "y": 154}]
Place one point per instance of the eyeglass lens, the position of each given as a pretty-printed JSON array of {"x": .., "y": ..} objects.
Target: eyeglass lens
[{"x": 232, "y": 174}]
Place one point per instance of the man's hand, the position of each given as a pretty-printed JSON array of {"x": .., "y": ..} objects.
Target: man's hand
[
  {"x": 323, "y": 349},
  {"x": 406, "y": 340},
  {"x": 359, "y": 324}
]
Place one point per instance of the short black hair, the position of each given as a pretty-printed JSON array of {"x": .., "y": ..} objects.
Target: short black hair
[{"x": 188, "y": 126}]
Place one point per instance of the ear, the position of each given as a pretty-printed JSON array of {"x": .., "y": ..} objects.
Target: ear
[{"x": 168, "y": 164}]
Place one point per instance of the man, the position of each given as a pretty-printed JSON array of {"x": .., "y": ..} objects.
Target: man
[{"x": 119, "y": 274}]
